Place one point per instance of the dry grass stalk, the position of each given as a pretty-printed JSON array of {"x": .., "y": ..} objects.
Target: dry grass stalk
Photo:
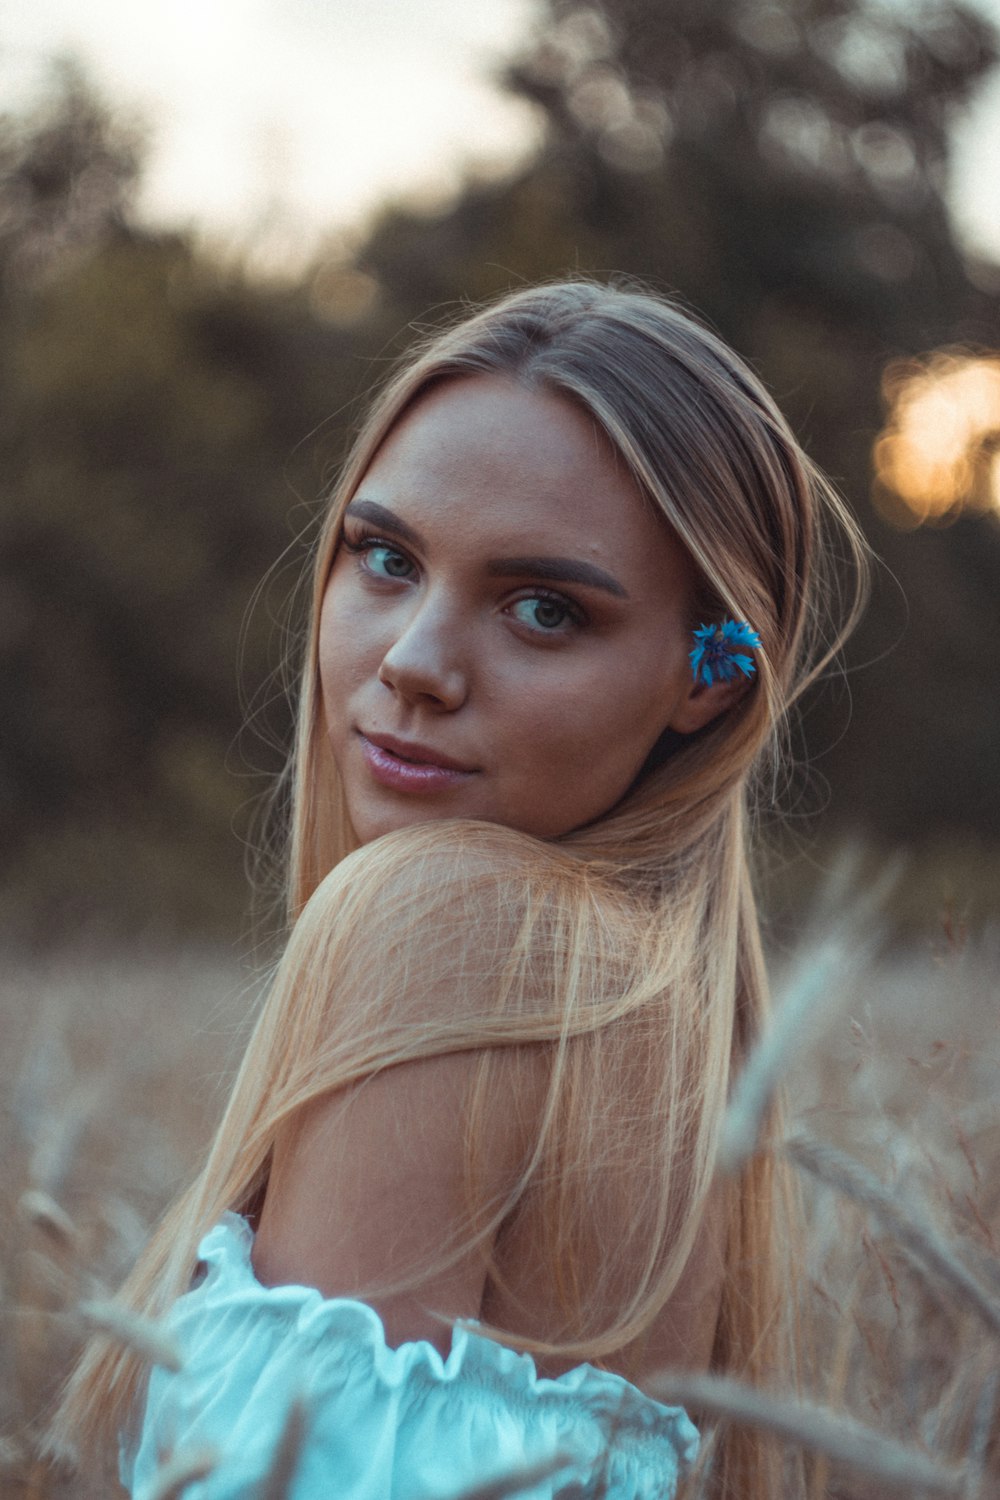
[
  {"x": 811, "y": 997},
  {"x": 13, "y": 1455},
  {"x": 45, "y": 1214},
  {"x": 916, "y": 1235},
  {"x": 982, "y": 1425},
  {"x": 838, "y": 1366},
  {"x": 58, "y": 1142},
  {"x": 279, "y": 1476},
  {"x": 145, "y": 1337},
  {"x": 949, "y": 1425},
  {"x": 181, "y": 1469},
  {"x": 808, "y": 1000},
  {"x": 832, "y": 1434}
]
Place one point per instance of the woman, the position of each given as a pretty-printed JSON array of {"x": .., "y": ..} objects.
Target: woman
[{"x": 488, "y": 1082}]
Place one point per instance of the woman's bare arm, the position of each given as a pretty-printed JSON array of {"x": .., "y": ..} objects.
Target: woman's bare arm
[{"x": 368, "y": 1190}]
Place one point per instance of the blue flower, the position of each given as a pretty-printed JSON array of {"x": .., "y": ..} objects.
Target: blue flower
[{"x": 715, "y": 657}]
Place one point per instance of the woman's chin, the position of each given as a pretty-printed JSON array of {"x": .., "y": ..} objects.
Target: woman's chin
[{"x": 370, "y": 823}]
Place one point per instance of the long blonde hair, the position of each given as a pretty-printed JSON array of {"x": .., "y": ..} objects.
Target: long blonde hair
[{"x": 629, "y": 948}]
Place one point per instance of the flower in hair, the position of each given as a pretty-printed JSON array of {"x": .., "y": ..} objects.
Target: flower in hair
[{"x": 716, "y": 656}]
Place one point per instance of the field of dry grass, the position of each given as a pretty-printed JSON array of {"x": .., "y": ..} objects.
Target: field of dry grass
[
  {"x": 112, "y": 1072},
  {"x": 893, "y": 1070}
]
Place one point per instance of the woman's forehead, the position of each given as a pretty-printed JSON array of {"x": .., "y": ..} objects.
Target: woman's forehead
[{"x": 495, "y": 461}]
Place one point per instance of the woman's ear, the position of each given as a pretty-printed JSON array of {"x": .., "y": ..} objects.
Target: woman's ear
[{"x": 704, "y": 701}]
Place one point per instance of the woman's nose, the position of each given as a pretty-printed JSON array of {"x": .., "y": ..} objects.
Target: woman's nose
[{"x": 424, "y": 662}]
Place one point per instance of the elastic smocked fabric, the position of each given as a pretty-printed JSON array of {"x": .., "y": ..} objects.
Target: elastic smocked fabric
[{"x": 382, "y": 1423}]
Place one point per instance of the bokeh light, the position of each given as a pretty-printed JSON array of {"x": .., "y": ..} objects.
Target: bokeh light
[{"x": 939, "y": 452}]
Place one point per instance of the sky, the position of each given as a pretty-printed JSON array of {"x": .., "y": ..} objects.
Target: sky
[{"x": 278, "y": 122}]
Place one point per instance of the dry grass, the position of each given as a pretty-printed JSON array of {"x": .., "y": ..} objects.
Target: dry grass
[
  {"x": 896, "y": 1132},
  {"x": 112, "y": 1073}
]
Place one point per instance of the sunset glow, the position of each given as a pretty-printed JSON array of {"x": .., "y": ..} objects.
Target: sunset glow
[{"x": 939, "y": 452}]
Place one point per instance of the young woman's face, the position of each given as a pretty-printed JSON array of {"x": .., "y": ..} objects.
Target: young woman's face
[{"x": 504, "y": 633}]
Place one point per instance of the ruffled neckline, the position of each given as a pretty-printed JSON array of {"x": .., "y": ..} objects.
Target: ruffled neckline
[
  {"x": 403, "y": 1423},
  {"x": 473, "y": 1359}
]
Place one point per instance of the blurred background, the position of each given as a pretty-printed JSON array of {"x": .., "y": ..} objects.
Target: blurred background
[{"x": 219, "y": 222}]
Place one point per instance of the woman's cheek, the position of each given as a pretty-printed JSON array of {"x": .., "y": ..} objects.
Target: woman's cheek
[{"x": 348, "y": 650}]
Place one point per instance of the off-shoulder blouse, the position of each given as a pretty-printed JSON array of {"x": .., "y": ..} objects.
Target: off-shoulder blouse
[{"x": 382, "y": 1423}]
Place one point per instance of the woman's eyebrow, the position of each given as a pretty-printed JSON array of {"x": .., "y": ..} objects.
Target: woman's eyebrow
[
  {"x": 557, "y": 570},
  {"x": 381, "y": 515},
  {"x": 553, "y": 569}
]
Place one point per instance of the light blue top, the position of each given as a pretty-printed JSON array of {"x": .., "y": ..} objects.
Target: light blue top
[{"x": 382, "y": 1423}]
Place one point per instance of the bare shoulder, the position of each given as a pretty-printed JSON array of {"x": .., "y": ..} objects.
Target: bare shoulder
[
  {"x": 431, "y": 866},
  {"x": 445, "y": 914}
]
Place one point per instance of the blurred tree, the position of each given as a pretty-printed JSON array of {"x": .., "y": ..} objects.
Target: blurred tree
[
  {"x": 68, "y": 174},
  {"x": 152, "y": 405},
  {"x": 781, "y": 167}
]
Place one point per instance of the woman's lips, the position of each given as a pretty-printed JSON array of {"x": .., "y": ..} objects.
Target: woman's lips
[{"x": 397, "y": 765}]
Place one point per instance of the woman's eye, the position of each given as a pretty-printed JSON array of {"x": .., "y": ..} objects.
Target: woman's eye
[
  {"x": 380, "y": 558},
  {"x": 545, "y": 615},
  {"x": 387, "y": 562}
]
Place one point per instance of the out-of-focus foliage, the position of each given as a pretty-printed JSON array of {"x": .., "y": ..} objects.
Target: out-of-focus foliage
[
  {"x": 779, "y": 166},
  {"x": 152, "y": 408},
  {"x": 68, "y": 173}
]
